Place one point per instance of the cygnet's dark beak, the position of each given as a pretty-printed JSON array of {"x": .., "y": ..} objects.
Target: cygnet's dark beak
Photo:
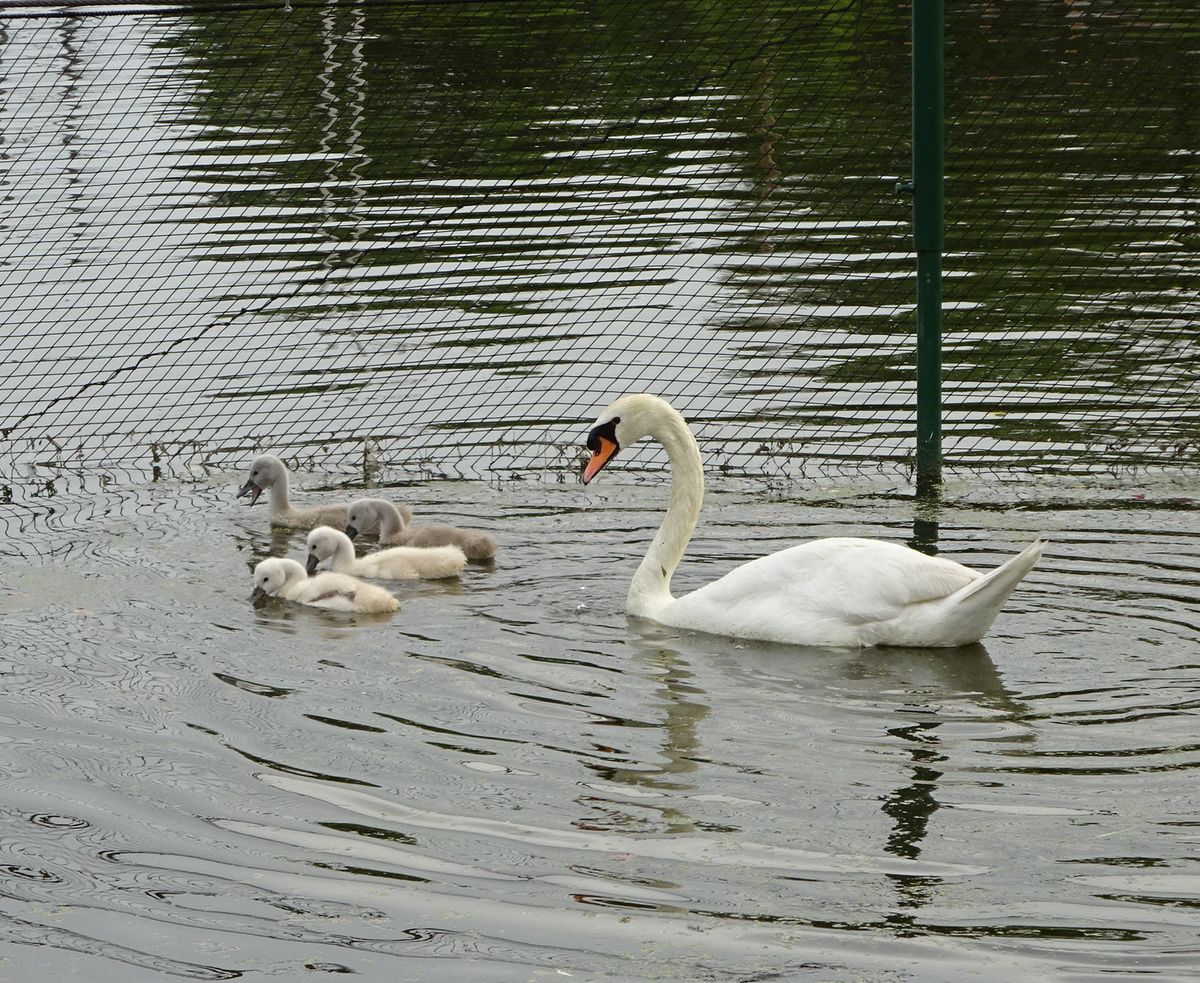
[
  {"x": 258, "y": 596},
  {"x": 251, "y": 489},
  {"x": 352, "y": 531},
  {"x": 311, "y": 564}
]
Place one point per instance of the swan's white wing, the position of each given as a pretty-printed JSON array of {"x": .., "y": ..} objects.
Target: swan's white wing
[{"x": 822, "y": 590}]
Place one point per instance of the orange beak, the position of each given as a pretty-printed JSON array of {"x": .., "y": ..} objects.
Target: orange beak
[{"x": 599, "y": 458}]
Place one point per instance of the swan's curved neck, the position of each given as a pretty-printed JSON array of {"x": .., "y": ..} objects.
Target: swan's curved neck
[
  {"x": 390, "y": 523},
  {"x": 278, "y": 494},
  {"x": 294, "y": 575},
  {"x": 650, "y": 590},
  {"x": 343, "y": 553}
]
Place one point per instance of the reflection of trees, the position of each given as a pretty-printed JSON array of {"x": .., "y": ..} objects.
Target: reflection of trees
[
  {"x": 806, "y": 106},
  {"x": 487, "y": 89},
  {"x": 71, "y": 101}
]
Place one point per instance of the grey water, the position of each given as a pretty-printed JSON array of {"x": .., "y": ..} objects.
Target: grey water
[
  {"x": 400, "y": 242},
  {"x": 510, "y": 780}
]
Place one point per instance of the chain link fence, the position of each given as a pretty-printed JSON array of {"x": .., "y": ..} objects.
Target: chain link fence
[{"x": 434, "y": 238}]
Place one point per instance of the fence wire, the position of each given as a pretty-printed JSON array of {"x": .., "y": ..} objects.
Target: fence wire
[{"x": 437, "y": 237}]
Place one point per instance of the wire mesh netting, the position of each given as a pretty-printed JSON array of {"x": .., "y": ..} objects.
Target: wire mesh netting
[{"x": 437, "y": 237}]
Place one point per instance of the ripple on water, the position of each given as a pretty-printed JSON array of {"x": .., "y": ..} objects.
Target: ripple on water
[{"x": 309, "y": 790}]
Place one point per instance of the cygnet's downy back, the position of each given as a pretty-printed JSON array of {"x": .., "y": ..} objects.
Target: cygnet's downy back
[{"x": 367, "y": 516}]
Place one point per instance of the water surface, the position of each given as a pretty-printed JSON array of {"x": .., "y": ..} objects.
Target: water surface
[{"x": 509, "y": 780}]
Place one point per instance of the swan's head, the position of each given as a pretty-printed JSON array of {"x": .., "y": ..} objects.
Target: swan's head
[
  {"x": 626, "y": 420},
  {"x": 322, "y": 544},
  {"x": 264, "y": 472},
  {"x": 270, "y": 576},
  {"x": 364, "y": 516}
]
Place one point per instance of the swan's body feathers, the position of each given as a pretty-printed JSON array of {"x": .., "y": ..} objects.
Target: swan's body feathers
[
  {"x": 856, "y": 581},
  {"x": 319, "y": 515},
  {"x": 412, "y": 563}
]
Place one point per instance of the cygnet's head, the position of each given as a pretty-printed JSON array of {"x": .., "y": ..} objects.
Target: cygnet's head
[
  {"x": 269, "y": 576},
  {"x": 264, "y": 472},
  {"x": 322, "y": 544},
  {"x": 624, "y": 421},
  {"x": 364, "y": 517}
]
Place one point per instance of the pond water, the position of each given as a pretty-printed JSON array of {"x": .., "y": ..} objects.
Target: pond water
[
  {"x": 417, "y": 240},
  {"x": 509, "y": 780}
]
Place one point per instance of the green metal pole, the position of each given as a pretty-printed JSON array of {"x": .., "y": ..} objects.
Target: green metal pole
[{"x": 928, "y": 71}]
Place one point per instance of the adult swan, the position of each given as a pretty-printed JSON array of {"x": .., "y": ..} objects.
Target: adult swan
[{"x": 841, "y": 591}]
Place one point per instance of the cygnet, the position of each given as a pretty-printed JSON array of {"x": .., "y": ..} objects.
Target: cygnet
[
  {"x": 396, "y": 563},
  {"x": 336, "y": 591},
  {"x": 375, "y": 516},
  {"x": 268, "y": 473}
]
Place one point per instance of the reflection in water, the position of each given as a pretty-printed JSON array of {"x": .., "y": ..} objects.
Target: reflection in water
[
  {"x": 73, "y": 121},
  {"x": 442, "y": 233},
  {"x": 965, "y": 673},
  {"x": 910, "y": 807},
  {"x": 926, "y": 509},
  {"x": 942, "y": 687},
  {"x": 682, "y": 715}
]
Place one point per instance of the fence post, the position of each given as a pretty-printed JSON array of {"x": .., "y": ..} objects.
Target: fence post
[{"x": 928, "y": 70}]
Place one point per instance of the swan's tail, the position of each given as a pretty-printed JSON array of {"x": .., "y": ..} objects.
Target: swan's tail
[{"x": 973, "y": 608}]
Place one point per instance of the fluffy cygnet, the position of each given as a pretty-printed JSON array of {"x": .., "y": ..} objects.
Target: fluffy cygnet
[
  {"x": 335, "y": 591},
  {"x": 268, "y": 473},
  {"x": 396, "y": 563},
  {"x": 371, "y": 516}
]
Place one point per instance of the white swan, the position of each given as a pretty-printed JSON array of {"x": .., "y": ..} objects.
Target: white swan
[
  {"x": 268, "y": 473},
  {"x": 837, "y": 592},
  {"x": 375, "y": 516},
  {"x": 396, "y": 563},
  {"x": 335, "y": 591}
]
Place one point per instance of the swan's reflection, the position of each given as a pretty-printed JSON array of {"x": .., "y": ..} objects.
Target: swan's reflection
[
  {"x": 682, "y": 713},
  {"x": 921, "y": 691}
]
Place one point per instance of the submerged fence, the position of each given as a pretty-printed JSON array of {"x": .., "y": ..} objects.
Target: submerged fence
[{"x": 437, "y": 237}]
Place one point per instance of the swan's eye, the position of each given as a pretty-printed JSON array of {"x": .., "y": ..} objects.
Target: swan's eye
[{"x": 606, "y": 431}]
